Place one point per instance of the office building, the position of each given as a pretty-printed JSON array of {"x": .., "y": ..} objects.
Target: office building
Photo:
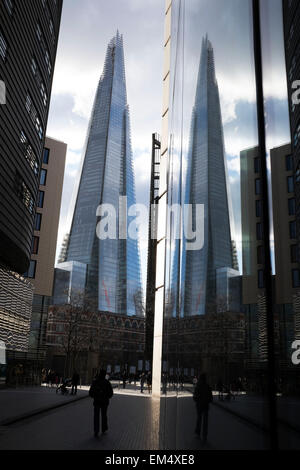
[
  {"x": 113, "y": 281},
  {"x": 43, "y": 246}
]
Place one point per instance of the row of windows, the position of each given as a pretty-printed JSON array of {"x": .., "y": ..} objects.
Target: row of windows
[
  {"x": 42, "y": 41},
  {"x": 35, "y": 245},
  {"x": 3, "y": 46},
  {"x": 50, "y": 22},
  {"x": 37, "y": 221},
  {"x": 40, "y": 199},
  {"x": 43, "y": 177},
  {"x": 31, "y": 270},
  {"x": 293, "y": 254},
  {"x": 34, "y": 115},
  {"x": 292, "y": 230},
  {"x": 28, "y": 153},
  {"x": 39, "y": 81},
  {"x": 9, "y": 6},
  {"x": 24, "y": 193}
]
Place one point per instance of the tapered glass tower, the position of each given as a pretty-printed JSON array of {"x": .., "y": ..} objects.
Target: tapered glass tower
[
  {"x": 206, "y": 183},
  {"x": 113, "y": 280}
]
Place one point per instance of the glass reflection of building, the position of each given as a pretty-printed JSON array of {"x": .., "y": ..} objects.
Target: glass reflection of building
[
  {"x": 206, "y": 184},
  {"x": 113, "y": 281}
]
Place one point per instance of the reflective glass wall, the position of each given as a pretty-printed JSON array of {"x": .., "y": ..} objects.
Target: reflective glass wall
[{"x": 229, "y": 321}]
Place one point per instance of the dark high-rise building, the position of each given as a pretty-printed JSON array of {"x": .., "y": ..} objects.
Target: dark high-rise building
[
  {"x": 291, "y": 21},
  {"x": 113, "y": 279},
  {"x": 28, "y": 42}
]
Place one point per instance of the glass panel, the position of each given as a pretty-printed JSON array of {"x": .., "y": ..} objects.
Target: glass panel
[
  {"x": 214, "y": 310},
  {"x": 276, "y": 67}
]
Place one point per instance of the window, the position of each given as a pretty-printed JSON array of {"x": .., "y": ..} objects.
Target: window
[
  {"x": 37, "y": 221},
  {"x": 260, "y": 279},
  {"x": 259, "y": 232},
  {"x": 29, "y": 154},
  {"x": 257, "y": 165},
  {"x": 289, "y": 163},
  {"x": 293, "y": 229},
  {"x": 290, "y": 184},
  {"x": 48, "y": 63},
  {"x": 257, "y": 186},
  {"x": 258, "y": 208},
  {"x": 33, "y": 66},
  {"x": 34, "y": 116},
  {"x": 41, "y": 39},
  {"x": 296, "y": 277},
  {"x": 43, "y": 177},
  {"x": 43, "y": 93},
  {"x": 40, "y": 199},
  {"x": 46, "y": 156},
  {"x": 3, "y": 47},
  {"x": 38, "y": 32},
  {"x": 294, "y": 254},
  {"x": 24, "y": 193},
  {"x": 51, "y": 27},
  {"x": 260, "y": 254},
  {"x": 39, "y": 81},
  {"x": 9, "y": 6},
  {"x": 31, "y": 271},
  {"x": 292, "y": 206},
  {"x": 35, "y": 245}
]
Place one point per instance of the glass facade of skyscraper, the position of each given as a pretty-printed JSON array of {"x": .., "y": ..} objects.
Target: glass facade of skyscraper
[{"x": 113, "y": 280}]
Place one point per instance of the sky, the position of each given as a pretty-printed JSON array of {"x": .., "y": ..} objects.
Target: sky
[{"x": 87, "y": 27}]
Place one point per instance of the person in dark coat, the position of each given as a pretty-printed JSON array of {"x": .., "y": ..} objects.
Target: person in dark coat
[
  {"x": 101, "y": 391},
  {"x": 202, "y": 397},
  {"x": 75, "y": 382}
]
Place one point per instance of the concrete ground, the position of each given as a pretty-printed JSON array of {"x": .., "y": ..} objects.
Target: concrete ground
[{"x": 133, "y": 423}]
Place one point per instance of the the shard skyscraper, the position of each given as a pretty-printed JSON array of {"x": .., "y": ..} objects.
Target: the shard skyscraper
[
  {"x": 112, "y": 274},
  {"x": 206, "y": 183}
]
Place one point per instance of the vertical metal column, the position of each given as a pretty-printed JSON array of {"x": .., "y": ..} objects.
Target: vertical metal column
[
  {"x": 266, "y": 225},
  {"x": 152, "y": 243}
]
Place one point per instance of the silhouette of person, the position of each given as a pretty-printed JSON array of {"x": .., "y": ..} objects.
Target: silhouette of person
[
  {"x": 75, "y": 382},
  {"x": 101, "y": 391},
  {"x": 149, "y": 381},
  {"x": 143, "y": 379},
  {"x": 202, "y": 397}
]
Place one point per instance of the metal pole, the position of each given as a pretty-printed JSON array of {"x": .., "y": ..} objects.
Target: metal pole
[{"x": 266, "y": 226}]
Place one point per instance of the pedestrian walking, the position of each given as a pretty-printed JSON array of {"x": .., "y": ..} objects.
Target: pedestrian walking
[
  {"x": 202, "y": 397},
  {"x": 75, "y": 382},
  {"x": 143, "y": 379},
  {"x": 101, "y": 391}
]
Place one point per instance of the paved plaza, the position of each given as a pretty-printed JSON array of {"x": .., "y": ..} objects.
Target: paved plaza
[{"x": 39, "y": 419}]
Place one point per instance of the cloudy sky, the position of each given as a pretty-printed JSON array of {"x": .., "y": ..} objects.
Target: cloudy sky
[{"x": 87, "y": 27}]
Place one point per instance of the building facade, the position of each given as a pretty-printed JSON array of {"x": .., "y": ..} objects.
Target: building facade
[
  {"x": 206, "y": 184},
  {"x": 113, "y": 281},
  {"x": 43, "y": 246},
  {"x": 28, "y": 43},
  {"x": 291, "y": 19}
]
